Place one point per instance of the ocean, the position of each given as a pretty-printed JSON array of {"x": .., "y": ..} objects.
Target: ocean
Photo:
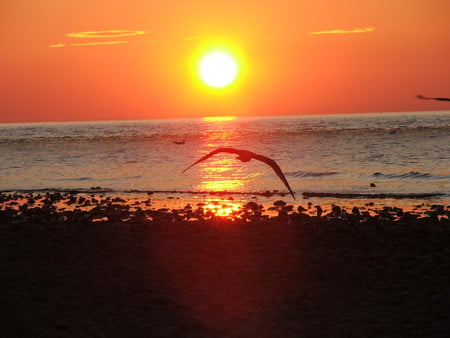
[{"x": 394, "y": 156}]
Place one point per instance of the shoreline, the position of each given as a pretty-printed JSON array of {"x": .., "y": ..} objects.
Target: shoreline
[
  {"x": 95, "y": 207},
  {"x": 109, "y": 267},
  {"x": 252, "y": 194}
]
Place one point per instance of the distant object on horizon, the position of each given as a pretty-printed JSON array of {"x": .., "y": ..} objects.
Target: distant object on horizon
[
  {"x": 432, "y": 98},
  {"x": 245, "y": 156},
  {"x": 179, "y": 142}
]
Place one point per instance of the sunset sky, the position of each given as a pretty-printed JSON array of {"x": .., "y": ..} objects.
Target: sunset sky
[{"x": 69, "y": 60}]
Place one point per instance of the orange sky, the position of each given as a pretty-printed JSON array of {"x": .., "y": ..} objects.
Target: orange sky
[{"x": 297, "y": 57}]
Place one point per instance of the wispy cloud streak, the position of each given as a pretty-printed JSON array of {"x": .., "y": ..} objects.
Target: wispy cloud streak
[
  {"x": 103, "y": 34},
  {"x": 346, "y": 31},
  {"x": 113, "y": 33},
  {"x": 193, "y": 38},
  {"x": 97, "y": 43}
]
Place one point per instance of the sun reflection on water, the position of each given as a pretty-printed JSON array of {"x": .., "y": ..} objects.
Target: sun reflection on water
[
  {"x": 223, "y": 208},
  {"x": 221, "y": 174},
  {"x": 218, "y": 118}
]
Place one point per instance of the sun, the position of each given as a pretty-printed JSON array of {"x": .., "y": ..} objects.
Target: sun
[{"x": 218, "y": 69}]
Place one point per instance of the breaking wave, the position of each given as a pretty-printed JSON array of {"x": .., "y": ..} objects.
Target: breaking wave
[
  {"x": 269, "y": 193},
  {"x": 308, "y": 174},
  {"x": 75, "y": 179},
  {"x": 371, "y": 196},
  {"x": 412, "y": 175}
]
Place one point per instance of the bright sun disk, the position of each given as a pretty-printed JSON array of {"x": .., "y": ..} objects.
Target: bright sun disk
[{"x": 218, "y": 69}]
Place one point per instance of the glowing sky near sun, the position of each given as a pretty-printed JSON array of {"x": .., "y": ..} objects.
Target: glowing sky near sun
[{"x": 105, "y": 60}]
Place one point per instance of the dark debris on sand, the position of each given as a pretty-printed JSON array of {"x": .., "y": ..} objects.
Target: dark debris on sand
[
  {"x": 95, "y": 266},
  {"x": 69, "y": 208}
]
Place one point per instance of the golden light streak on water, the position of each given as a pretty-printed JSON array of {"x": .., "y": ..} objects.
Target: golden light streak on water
[
  {"x": 219, "y": 173},
  {"x": 218, "y": 118}
]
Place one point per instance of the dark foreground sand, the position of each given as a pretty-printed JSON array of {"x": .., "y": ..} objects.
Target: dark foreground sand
[{"x": 287, "y": 276}]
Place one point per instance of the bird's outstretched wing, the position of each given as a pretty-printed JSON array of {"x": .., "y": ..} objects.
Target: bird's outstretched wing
[
  {"x": 276, "y": 168},
  {"x": 247, "y": 153},
  {"x": 432, "y": 98},
  {"x": 212, "y": 153}
]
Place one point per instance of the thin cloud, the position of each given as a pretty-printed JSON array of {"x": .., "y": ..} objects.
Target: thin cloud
[
  {"x": 97, "y": 43},
  {"x": 346, "y": 31},
  {"x": 185, "y": 39},
  {"x": 193, "y": 38},
  {"x": 58, "y": 45},
  {"x": 103, "y": 34},
  {"x": 113, "y": 33},
  {"x": 154, "y": 41}
]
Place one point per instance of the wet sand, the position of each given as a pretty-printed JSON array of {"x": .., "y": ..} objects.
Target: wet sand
[{"x": 105, "y": 269}]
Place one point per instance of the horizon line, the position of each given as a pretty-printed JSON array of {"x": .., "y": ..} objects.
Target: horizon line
[{"x": 219, "y": 116}]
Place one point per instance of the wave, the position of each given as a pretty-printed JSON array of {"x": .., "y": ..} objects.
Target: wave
[
  {"x": 307, "y": 174},
  {"x": 251, "y": 127},
  {"x": 269, "y": 193},
  {"x": 83, "y": 179},
  {"x": 412, "y": 175},
  {"x": 145, "y": 136},
  {"x": 75, "y": 179},
  {"x": 374, "y": 195},
  {"x": 99, "y": 190}
]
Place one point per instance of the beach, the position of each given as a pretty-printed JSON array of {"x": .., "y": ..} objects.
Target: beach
[
  {"x": 225, "y": 169},
  {"x": 72, "y": 268},
  {"x": 102, "y": 234}
]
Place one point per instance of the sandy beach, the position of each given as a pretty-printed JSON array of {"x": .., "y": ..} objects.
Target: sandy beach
[{"x": 113, "y": 272}]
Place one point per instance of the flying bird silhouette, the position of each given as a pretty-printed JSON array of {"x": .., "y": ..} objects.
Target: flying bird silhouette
[
  {"x": 245, "y": 156},
  {"x": 432, "y": 98}
]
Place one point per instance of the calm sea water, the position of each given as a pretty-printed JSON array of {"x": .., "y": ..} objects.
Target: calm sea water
[{"x": 404, "y": 153}]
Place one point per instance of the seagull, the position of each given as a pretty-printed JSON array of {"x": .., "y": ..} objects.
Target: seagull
[
  {"x": 245, "y": 156},
  {"x": 432, "y": 98}
]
